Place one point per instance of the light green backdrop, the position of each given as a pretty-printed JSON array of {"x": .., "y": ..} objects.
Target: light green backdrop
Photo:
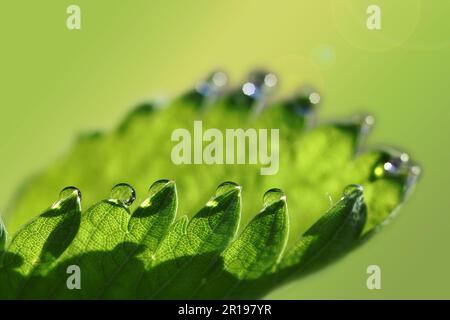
[{"x": 55, "y": 83}]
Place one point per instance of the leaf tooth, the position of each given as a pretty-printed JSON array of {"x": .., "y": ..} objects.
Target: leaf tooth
[
  {"x": 141, "y": 110},
  {"x": 152, "y": 219},
  {"x": 266, "y": 234},
  {"x": 254, "y": 253},
  {"x": 56, "y": 227},
  {"x": 333, "y": 235},
  {"x": 358, "y": 126},
  {"x": 193, "y": 252}
]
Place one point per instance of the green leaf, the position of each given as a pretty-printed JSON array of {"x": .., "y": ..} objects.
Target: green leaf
[
  {"x": 40, "y": 243},
  {"x": 186, "y": 254},
  {"x": 146, "y": 255},
  {"x": 333, "y": 235},
  {"x": 324, "y": 158},
  {"x": 140, "y": 252}
]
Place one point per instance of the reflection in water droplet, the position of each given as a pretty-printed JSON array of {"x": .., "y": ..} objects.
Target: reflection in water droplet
[
  {"x": 67, "y": 193},
  {"x": 352, "y": 189},
  {"x": 272, "y": 196},
  {"x": 124, "y": 193}
]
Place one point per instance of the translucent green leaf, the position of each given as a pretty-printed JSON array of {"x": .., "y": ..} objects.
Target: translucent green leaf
[{"x": 127, "y": 250}]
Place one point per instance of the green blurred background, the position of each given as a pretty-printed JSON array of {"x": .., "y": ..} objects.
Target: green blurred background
[{"x": 56, "y": 83}]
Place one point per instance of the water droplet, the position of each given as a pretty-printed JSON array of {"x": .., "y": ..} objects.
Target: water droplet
[
  {"x": 272, "y": 196},
  {"x": 314, "y": 98},
  {"x": 415, "y": 170},
  {"x": 213, "y": 84},
  {"x": 352, "y": 189},
  {"x": 67, "y": 193},
  {"x": 304, "y": 101},
  {"x": 154, "y": 189},
  {"x": 395, "y": 164},
  {"x": 259, "y": 84},
  {"x": 123, "y": 193},
  {"x": 226, "y": 187},
  {"x": 364, "y": 123},
  {"x": 158, "y": 185}
]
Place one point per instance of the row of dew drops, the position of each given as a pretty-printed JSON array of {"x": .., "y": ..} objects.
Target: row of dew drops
[
  {"x": 124, "y": 194},
  {"x": 261, "y": 83}
]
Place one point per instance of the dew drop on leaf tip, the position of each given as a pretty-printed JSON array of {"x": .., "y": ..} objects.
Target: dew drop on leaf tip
[
  {"x": 67, "y": 193},
  {"x": 352, "y": 189},
  {"x": 123, "y": 193},
  {"x": 272, "y": 196},
  {"x": 158, "y": 185},
  {"x": 398, "y": 165},
  {"x": 226, "y": 187}
]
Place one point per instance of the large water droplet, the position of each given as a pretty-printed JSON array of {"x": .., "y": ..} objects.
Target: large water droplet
[
  {"x": 158, "y": 185},
  {"x": 352, "y": 189},
  {"x": 222, "y": 189},
  {"x": 226, "y": 187},
  {"x": 272, "y": 196},
  {"x": 154, "y": 189},
  {"x": 67, "y": 193},
  {"x": 124, "y": 193},
  {"x": 393, "y": 165}
]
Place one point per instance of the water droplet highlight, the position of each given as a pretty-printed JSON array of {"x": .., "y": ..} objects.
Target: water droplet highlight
[
  {"x": 272, "y": 196},
  {"x": 226, "y": 187},
  {"x": 124, "y": 193}
]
